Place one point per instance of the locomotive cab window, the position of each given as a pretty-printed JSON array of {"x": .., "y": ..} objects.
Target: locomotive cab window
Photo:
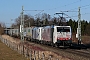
[{"x": 63, "y": 29}]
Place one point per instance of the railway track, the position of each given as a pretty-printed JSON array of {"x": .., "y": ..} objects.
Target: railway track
[
  {"x": 83, "y": 53},
  {"x": 75, "y": 54}
]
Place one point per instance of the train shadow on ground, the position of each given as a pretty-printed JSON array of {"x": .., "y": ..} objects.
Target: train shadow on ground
[
  {"x": 80, "y": 46},
  {"x": 87, "y": 45},
  {"x": 76, "y": 46}
]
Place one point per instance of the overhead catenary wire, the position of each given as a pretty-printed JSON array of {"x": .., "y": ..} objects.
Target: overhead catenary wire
[
  {"x": 72, "y": 10},
  {"x": 85, "y": 6},
  {"x": 69, "y": 11},
  {"x": 82, "y": 7},
  {"x": 65, "y": 15},
  {"x": 34, "y": 11},
  {"x": 65, "y": 5},
  {"x": 85, "y": 13}
]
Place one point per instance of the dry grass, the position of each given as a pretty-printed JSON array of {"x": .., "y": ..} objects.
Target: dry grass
[
  {"x": 7, "y": 54},
  {"x": 11, "y": 39},
  {"x": 38, "y": 48},
  {"x": 1, "y": 30},
  {"x": 85, "y": 39}
]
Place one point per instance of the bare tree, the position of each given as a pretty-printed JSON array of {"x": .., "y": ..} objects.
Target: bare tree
[
  {"x": 2, "y": 26},
  {"x": 28, "y": 21},
  {"x": 46, "y": 18}
]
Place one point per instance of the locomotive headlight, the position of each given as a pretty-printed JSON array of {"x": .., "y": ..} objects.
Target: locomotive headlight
[
  {"x": 58, "y": 38},
  {"x": 69, "y": 38}
]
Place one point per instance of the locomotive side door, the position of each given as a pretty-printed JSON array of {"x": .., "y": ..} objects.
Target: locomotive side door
[{"x": 55, "y": 35}]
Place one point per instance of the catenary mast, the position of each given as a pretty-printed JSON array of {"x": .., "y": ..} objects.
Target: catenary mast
[
  {"x": 79, "y": 27},
  {"x": 22, "y": 25}
]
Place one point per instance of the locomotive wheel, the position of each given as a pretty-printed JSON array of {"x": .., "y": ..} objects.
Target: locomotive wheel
[
  {"x": 52, "y": 44},
  {"x": 56, "y": 45}
]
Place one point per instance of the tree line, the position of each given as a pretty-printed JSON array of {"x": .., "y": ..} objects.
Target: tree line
[{"x": 85, "y": 26}]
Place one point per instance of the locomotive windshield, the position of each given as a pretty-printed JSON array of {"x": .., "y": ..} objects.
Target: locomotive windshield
[{"x": 63, "y": 29}]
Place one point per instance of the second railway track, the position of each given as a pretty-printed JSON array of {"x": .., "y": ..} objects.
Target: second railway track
[{"x": 75, "y": 54}]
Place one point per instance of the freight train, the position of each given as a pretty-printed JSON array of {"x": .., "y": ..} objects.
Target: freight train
[{"x": 51, "y": 35}]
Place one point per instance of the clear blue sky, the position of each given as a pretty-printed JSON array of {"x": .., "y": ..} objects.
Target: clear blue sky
[{"x": 11, "y": 9}]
